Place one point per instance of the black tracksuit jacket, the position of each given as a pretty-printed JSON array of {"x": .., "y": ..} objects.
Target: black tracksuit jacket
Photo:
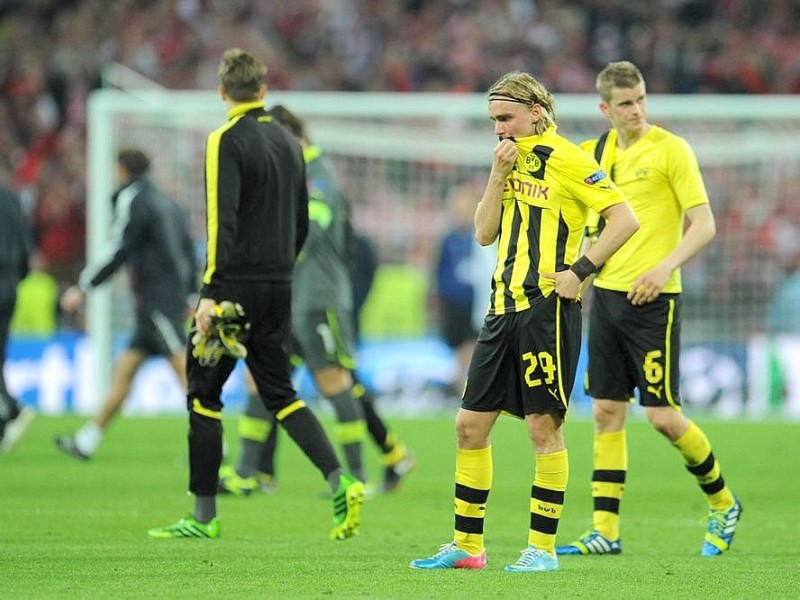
[
  {"x": 150, "y": 234},
  {"x": 256, "y": 201}
]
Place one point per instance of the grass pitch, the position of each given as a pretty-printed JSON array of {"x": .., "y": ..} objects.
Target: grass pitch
[{"x": 73, "y": 529}]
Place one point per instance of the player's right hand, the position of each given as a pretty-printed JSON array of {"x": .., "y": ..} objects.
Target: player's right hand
[
  {"x": 505, "y": 155},
  {"x": 648, "y": 285},
  {"x": 72, "y": 299},
  {"x": 202, "y": 316}
]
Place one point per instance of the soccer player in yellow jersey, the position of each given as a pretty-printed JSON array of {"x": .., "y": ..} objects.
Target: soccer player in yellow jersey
[
  {"x": 634, "y": 329},
  {"x": 535, "y": 205}
]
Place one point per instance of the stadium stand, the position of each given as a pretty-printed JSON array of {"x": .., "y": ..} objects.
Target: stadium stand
[{"x": 55, "y": 52}]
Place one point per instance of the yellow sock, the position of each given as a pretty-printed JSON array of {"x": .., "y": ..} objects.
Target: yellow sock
[
  {"x": 700, "y": 462},
  {"x": 608, "y": 481},
  {"x": 547, "y": 499},
  {"x": 473, "y": 482}
]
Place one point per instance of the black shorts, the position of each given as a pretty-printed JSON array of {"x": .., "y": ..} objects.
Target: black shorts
[
  {"x": 634, "y": 347},
  {"x": 159, "y": 333},
  {"x": 324, "y": 339},
  {"x": 457, "y": 324},
  {"x": 525, "y": 362},
  {"x": 267, "y": 306}
]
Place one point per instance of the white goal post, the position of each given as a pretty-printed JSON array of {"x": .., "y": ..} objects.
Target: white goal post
[{"x": 397, "y": 155}]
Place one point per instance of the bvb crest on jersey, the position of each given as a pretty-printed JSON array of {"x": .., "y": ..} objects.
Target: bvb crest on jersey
[
  {"x": 532, "y": 163},
  {"x": 536, "y": 161}
]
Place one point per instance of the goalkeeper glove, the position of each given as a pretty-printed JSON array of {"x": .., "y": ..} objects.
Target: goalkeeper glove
[{"x": 229, "y": 332}]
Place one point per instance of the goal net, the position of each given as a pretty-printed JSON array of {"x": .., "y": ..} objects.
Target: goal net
[{"x": 398, "y": 155}]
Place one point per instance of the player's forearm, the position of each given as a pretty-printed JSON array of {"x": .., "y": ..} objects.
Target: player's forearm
[
  {"x": 489, "y": 210},
  {"x": 621, "y": 224},
  {"x": 98, "y": 273},
  {"x": 700, "y": 232}
]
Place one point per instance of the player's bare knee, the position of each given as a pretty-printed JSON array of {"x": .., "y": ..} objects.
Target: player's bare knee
[
  {"x": 465, "y": 433},
  {"x": 333, "y": 380},
  {"x": 667, "y": 421},
  {"x": 609, "y": 415},
  {"x": 545, "y": 431},
  {"x": 471, "y": 432}
]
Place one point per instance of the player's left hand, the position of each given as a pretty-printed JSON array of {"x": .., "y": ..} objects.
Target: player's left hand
[
  {"x": 567, "y": 284},
  {"x": 648, "y": 286}
]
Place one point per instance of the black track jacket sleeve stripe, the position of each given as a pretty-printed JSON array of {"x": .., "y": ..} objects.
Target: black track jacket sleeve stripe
[{"x": 256, "y": 202}]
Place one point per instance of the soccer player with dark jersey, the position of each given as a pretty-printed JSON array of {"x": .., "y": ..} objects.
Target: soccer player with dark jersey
[
  {"x": 257, "y": 222},
  {"x": 322, "y": 328},
  {"x": 151, "y": 236},
  {"x": 15, "y": 247},
  {"x": 535, "y": 205},
  {"x": 634, "y": 333}
]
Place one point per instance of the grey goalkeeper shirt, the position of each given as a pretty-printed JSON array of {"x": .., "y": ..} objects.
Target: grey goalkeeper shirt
[{"x": 321, "y": 275}]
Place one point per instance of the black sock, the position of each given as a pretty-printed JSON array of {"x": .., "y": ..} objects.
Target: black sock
[
  {"x": 375, "y": 426},
  {"x": 255, "y": 427},
  {"x": 266, "y": 462}
]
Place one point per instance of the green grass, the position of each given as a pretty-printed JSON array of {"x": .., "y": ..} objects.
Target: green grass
[{"x": 73, "y": 529}]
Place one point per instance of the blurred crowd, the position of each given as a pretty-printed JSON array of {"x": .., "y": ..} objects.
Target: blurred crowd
[{"x": 53, "y": 53}]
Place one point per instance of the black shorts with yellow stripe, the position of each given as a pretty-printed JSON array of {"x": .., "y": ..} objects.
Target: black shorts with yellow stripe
[
  {"x": 634, "y": 347},
  {"x": 324, "y": 338},
  {"x": 525, "y": 362}
]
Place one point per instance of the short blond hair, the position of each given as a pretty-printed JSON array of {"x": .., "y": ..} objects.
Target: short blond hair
[
  {"x": 622, "y": 74},
  {"x": 524, "y": 88},
  {"x": 241, "y": 75}
]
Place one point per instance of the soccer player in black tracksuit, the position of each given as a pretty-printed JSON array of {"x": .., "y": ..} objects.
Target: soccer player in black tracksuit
[
  {"x": 150, "y": 235},
  {"x": 257, "y": 219},
  {"x": 14, "y": 253},
  {"x": 324, "y": 338}
]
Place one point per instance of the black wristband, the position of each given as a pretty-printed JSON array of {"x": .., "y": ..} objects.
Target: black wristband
[{"x": 583, "y": 267}]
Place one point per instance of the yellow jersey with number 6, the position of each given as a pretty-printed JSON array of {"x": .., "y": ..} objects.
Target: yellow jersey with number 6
[{"x": 661, "y": 179}]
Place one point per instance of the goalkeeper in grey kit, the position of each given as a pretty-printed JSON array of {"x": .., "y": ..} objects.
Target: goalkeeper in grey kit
[{"x": 257, "y": 221}]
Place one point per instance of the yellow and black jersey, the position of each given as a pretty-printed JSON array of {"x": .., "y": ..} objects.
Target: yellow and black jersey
[
  {"x": 545, "y": 204},
  {"x": 660, "y": 177},
  {"x": 256, "y": 200}
]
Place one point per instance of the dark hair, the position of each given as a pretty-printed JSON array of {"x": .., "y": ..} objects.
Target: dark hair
[
  {"x": 241, "y": 75},
  {"x": 134, "y": 161},
  {"x": 289, "y": 120}
]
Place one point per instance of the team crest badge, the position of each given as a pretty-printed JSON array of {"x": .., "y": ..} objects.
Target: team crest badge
[
  {"x": 535, "y": 162},
  {"x": 532, "y": 163}
]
